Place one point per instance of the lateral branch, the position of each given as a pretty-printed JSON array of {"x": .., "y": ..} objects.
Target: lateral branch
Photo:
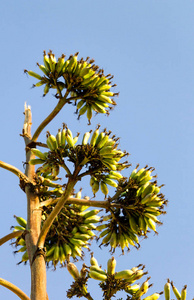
[{"x": 10, "y": 286}]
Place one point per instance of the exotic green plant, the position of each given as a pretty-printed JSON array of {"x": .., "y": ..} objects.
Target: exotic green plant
[{"x": 60, "y": 223}]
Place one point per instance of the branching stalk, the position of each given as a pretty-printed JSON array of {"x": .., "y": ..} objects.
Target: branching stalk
[
  {"x": 78, "y": 201},
  {"x": 14, "y": 289},
  {"x": 86, "y": 173},
  {"x": 10, "y": 236},
  {"x": 15, "y": 171},
  {"x": 55, "y": 212},
  {"x": 65, "y": 167},
  {"x": 50, "y": 117},
  {"x": 41, "y": 145}
]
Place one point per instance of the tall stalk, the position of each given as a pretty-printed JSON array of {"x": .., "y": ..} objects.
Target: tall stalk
[{"x": 37, "y": 262}]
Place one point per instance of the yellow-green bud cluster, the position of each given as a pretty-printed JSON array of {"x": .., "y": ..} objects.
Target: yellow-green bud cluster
[
  {"x": 86, "y": 82},
  {"x": 129, "y": 276},
  {"x": 79, "y": 286},
  {"x": 111, "y": 281},
  {"x": 116, "y": 235},
  {"x": 98, "y": 151},
  {"x": 179, "y": 295},
  {"x": 47, "y": 175},
  {"x": 139, "y": 203},
  {"x": 101, "y": 153},
  {"x": 68, "y": 236},
  {"x": 59, "y": 146}
]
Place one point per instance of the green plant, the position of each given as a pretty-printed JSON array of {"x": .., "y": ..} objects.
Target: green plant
[{"x": 60, "y": 222}]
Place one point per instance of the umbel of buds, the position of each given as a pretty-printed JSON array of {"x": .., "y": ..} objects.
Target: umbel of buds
[
  {"x": 139, "y": 204},
  {"x": 98, "y": 151},
  {"x": 89, "y": 88},
  {"x": 68, "y": 236},
  {"x": 111, "y": 281}
]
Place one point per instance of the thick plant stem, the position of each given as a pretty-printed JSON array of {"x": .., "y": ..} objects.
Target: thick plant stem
[
  {"x": 38, "y": 267},
  {"x": 38, "y": 279},
  {"x": 37, "y": 261},
  {"x": 10, "y": 286}
]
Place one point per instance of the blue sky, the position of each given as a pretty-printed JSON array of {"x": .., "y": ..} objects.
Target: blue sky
[{"x": 149, "y": 47}]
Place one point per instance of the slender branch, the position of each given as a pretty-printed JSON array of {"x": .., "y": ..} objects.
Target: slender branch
[
  {"x": 48, "y": 202},
  {"x": 77, "y": 97},
  {"x": 88, "y": 172},
  {"x": 41, "y": 145},
  {"x": 14, "y": 289},
  {"x": 73, "y": 98},
  {"x": 50, "y": 117},
  {"x": 119, "y": 191},
  {"x": 64, "y": 166},
  {"x": 78, "y": 201},
  {"x": 117, "y": 194},
  {"x": 84, "y": 174},
  {"x": 62, "y": 200},
  {"x": 10, "y": 236},
  {"x": 15, "y": 171}
]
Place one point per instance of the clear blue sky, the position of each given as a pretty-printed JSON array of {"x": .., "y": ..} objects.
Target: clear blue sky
[{"x": 149, "y": 47}]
